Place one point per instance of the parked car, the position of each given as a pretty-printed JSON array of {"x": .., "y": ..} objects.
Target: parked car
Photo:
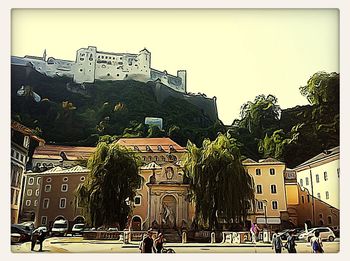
[
  {"x": 77, "y": 229},
  {"x": 59, "y": 228},
  {"x": 325, "y": 233},
  {"x": 112, "y": 229},
  {"x": 19, "y": 235}
]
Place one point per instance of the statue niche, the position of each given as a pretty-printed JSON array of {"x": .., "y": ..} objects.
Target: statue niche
[{"x": 168, "y": 213}]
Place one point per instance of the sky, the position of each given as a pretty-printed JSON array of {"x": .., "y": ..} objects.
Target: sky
[{"x": 233, "y": 54}]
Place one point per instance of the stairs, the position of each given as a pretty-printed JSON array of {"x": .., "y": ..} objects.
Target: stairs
[{"x": 171, "y": 235}]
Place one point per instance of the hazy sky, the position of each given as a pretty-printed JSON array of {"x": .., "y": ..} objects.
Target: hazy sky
[{"x": 232, "y": 54}]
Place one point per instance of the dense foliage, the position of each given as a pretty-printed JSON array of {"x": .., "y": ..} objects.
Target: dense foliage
[
  {"x": 81, "y": 114},
  {"x": 220, "y": 186},
  {"x": 112, "y": 181}
]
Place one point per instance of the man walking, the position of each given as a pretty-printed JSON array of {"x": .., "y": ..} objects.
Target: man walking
[
  {"x": 34, "y": 238},
  {"x": 147, "y": 243},
  {"x": 290, "y": 245},
  {"x": 277, "y": 242}
]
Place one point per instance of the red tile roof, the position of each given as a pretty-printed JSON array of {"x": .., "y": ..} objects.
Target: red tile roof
[
  {"x": 53, "y": 152},
  {"x": 139, "y": 144},
  {"x": 25, "y": 130}
]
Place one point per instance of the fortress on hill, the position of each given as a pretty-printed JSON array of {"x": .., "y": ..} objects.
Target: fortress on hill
[{"x": 91, "y": 65}]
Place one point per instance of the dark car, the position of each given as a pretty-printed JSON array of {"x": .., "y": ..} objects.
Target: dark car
[{"x": 24, "y": 235}]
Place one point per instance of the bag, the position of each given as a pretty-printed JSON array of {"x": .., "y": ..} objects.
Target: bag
[{"x": 316, "y": 247}]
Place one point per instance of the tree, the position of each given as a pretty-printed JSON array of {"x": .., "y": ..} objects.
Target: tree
[
  {"x": 112, "y": 181},
  {"x": 220, "y": 186},
  {"x": 322, "y": 88}
]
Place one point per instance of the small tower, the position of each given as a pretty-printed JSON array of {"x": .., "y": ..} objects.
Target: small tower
[
  {"x": 182, "y": 75},
  {"x": 44, "y": 55}
]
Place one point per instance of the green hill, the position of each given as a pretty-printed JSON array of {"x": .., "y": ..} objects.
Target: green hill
[{"x": 80, "y": 114}]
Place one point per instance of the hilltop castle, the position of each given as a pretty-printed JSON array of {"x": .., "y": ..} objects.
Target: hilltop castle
[{"x": 91, "y": 65}]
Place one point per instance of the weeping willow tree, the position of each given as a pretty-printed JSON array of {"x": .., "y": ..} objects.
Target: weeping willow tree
[
  {"x": 220, "y": 186},
  {"x": 112, "y": 181}
]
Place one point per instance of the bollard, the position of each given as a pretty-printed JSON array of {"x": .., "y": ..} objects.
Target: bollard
[
  {"x": 184, "y": 237},
  {"x": 212, "y": 237}
]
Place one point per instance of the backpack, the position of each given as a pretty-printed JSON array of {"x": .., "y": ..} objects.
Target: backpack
[{"x": 316, "y": 246}]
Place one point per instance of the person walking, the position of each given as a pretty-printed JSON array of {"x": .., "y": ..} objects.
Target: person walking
[
  {"x": 41, "y": 238},
  {"x": 147, "y": 243},
  {"x": 290, "y": 244},
  {"x": 316, "y": 243},
  {"x": 34, "y": 238},
  {"x": 277, "y": 242},
  {"x": 158, "y": 242},
  {"x": 252, "y": 233}
]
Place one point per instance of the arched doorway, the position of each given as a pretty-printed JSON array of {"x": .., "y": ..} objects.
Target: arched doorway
[
  {"x": 79, "y": 220},
  {"x": 136, "y": 223},
  {"x": 60, "y": 218},
  {"x": 168, "y": 212}
]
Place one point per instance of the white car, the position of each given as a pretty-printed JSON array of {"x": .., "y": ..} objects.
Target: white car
[
  {"x": 325, "y": 233},
  {"x": 59, "y": 228},
  {"x": 77, "y": 228}
]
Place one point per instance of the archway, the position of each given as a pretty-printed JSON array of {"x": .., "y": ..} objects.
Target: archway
[
  {"x": 168, "y": 212},
  {"x": 79, "y": 220},
  {"x": 60, "y": 218},
  {"x": 136, "y": 223}
]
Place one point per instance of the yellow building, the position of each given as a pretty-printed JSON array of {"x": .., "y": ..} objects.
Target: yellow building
[{"x": 270, "y": 206}]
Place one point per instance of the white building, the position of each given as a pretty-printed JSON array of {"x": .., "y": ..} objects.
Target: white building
[
  {"x": 91, "y": 65},
  {"x": 320, "y": 175}
]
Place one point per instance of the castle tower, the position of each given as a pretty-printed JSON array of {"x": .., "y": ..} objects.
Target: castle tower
[
  {"x": 182, "y": 75},
  {"x": 44, "y": 55}
]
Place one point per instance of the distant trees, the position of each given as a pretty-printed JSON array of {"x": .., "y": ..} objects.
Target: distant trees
[
  {"x": 113, "y": 179},
  {"x": 220, "y": 186}
]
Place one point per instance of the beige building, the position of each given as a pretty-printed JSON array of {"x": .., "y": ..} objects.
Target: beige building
[{"x": 270, "y": 206}]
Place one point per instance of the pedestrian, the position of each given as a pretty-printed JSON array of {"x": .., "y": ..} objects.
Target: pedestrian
[
  {"x": 277, "y": 242},
  {"x": 41, "y": 238},
  {"x": 141, "y": 244},
  {"x": 316, "y": 243},
  {"x": 158, "y": 242},
  {"x": 147, "y": 243},
  {"x": 257, "y": 231},
  {"x": 252, "y": 233},
  {"x": 290, "y": 244},
  {"x": 34, "y": 238}
]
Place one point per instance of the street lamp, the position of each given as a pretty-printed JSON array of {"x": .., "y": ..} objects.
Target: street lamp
[{"x": 265, "y": 205}]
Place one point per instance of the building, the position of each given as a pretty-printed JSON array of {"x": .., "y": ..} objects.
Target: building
[
  {"x": 23, "y": 142},
  {"x": 91, "y": 65},
  {"x": 50, "y": 195},
  {"x": 270, "y": 206},
  {"x": 161, "y": 201},
  {"x": 320, "y": 175}
]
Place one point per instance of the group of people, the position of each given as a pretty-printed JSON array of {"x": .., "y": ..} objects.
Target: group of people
[
  {"x": 148, "y": 245},
  {"x": 290, "y": 245}
]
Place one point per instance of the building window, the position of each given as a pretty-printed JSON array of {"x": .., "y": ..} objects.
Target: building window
[
  {"x": 272, "y": 171},
  {"x": 64, "y": 187},
  {"x": 325, "y": 176},
  {"x": 260, "y": 205},
  {"x": 274, "y": 205},
  {"x": 318, "y": 195},
  {"x": 150, "y": 158},
  {"x": 308, "y": 198},
  {"x": 47, "y": 188},
  {"x": 317, "y": 178},
  {"x": 320, "y": 215},
  {"x": 258, "y": 172},
  {"x": 37, "y": 192},
  {"x": 302, "y": 199},
  {"x": 48, "y": 180},
  {"x": 327, "y": 195},
  {"x": 35, "y": 203},
  {"x": 43, "y": 220},
  {"x": 62, "y": 203},
  {"x": 31, "y": 181},
  {"x": 38, "y": 179},
  {"x": 28, "y": 202},
  {"x": 46, "y": 202},
  {"x": 273, "y": 189},
  {"x": 137, "y": 201},
  {"x": 338, "y": 172},
  {"x": 307, "y": 181},
  {"x": 65, "y": 179},
  {"x": 82, "y": 178},
  {"x": 26, "y": 142},
  {"x": 22, "y": 158},
  {"x": 301, "y": 183},
  {"x": 329, "y": 220},
  {"x": 29, "y": 192},
  {"x": 258, "y": 189},
  {"x": 144, "y": 158},
  {"x": 156, "y": 158}
]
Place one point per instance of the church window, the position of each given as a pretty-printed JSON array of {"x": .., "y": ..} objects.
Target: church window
[{"x": 137, "y": 201}]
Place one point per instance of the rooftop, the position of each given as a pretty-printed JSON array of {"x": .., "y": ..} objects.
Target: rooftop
[
  {"x": 25, "y": 130},
  {"x": 266, "y": 161},
  {"x": 58, "y": 170},
  {"x": 56, "y": 152},
  {"x": 323, "y": 155},
  {"x": 151, "y": 144}
]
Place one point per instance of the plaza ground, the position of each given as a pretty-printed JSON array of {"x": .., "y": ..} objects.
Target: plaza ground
[{"x": 78, "y": 245}]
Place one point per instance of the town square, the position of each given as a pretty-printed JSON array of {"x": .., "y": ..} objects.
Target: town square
[{"x": 225, "y": 144}]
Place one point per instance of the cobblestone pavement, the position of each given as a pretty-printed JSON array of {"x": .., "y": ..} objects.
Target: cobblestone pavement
[{"x": 78, "y": 245}]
